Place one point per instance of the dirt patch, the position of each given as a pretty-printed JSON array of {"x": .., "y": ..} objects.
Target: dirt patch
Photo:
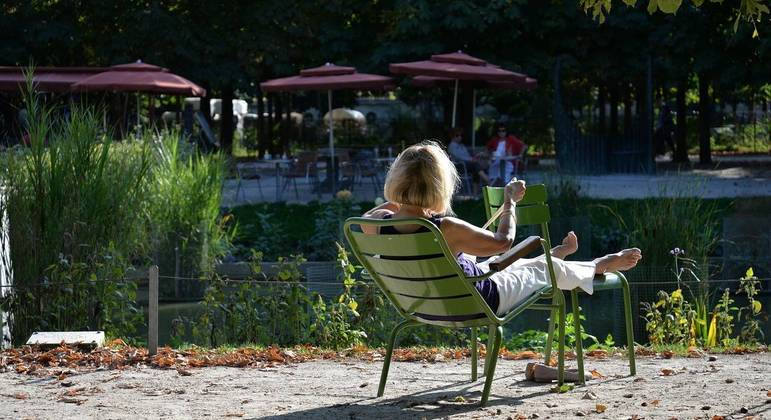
[{"x": 731, "y": 386}]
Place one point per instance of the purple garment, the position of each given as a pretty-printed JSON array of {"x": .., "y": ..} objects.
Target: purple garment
[{"x": 486, "y": 288}]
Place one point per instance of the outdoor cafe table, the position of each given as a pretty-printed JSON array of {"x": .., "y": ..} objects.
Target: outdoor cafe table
[{"x": 278, "y": 163}]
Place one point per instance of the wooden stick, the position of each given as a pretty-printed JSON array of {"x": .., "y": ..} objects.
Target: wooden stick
[{"x": 494, "y": 218}]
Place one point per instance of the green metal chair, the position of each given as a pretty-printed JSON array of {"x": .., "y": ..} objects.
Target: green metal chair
[
  {"x": 422, "y": 279},
  {"x": 536, "y": 195}
]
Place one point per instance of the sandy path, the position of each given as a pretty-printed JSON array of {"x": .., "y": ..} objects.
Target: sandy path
[{"x": 328, "y": 389}]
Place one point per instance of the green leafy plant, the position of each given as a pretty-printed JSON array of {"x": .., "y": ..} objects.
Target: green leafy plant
[
  {"x": 333, "y": 325},
  {"x": 669, "y": 320},
  {"x": 750, "y": 285}
]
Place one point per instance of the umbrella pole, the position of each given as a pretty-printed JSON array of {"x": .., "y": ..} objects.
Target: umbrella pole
[
  {"x": 454, "y": 103},
  {"x": 138, "y": 124},
  {"x": 473, "y": 120},
  {"x": 331, "y": 169}
]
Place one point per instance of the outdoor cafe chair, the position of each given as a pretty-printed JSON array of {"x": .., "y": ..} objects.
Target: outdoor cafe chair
[
  {"x": 247, "y": 172},
  {"x": 363, "y": 165},
  {"x": 420, "y": 276},
  {"x": 305, "y": 165},
  {"x": 466, "y": 180},
  {"x": 536, "y": 195}
]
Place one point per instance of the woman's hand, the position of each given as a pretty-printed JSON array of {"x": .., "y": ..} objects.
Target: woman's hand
[{"x": 514, "y": 190}]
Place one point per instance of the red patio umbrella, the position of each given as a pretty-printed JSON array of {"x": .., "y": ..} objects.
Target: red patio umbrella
[
  {"x": 457, "y": 66},
  {"x": 139, "y": 77},
  {"x": 48, "y": 79},
  {"x": 528, "y": 84},
  {"x": 328, "y": 77}
]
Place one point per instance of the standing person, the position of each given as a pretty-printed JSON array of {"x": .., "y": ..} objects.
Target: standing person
[
  {"x": 476, "y": 165},
  {"x": 500, "y": 145}
]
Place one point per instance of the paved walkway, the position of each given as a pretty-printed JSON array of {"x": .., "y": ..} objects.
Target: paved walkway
[{"x": 734, "y": 177}]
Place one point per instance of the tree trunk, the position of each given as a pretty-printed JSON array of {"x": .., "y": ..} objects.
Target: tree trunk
[
  {"x": 601, "y": 106},
  {"x": 205, "y": 105},
  {"x": 261, "y": 134},
  {"x": 614, "y": 109},
  {"x": 627, "y": 108},
  {"x": 705, "y": 117},
  {"x": 226, "y": 121},
  {"x": 287, "y": 125},
  {"x": 681, "y": 142},
  {"x": 279, "y": 122},
  {"x": 269, "y": 137}
]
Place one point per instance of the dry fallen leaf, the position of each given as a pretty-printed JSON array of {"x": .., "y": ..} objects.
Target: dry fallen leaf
[
  {"x": 599, "y": 353},
  {"x": 667, "y": 354},
  {"x": 655, "y": 403},
  {"x": 716, "y": 417},
  {"x": 522, "y": 355},
  {"x": 600, "y": 408},
  {"x": 21, "y": 396},
  {"x": 234, "y": 415},
  {"x": 667, "y": 372},
  {"x": 596, "y": 374}
]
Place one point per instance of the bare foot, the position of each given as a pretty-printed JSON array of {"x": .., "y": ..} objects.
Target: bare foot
[
  {"x": 569, "y": 246},
  {"x": 620, "y": 261}
]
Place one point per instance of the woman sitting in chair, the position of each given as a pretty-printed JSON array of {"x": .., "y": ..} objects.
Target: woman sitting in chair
[{"x": 421, "y": 182}]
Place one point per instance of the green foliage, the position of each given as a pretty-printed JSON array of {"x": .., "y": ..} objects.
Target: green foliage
[
  {"x": 669, "y": 320},
  {"x": 724, "y": 318},
  {"x": 527, "y": 340},
  {"x": 749, "y": 10},
  {"x": 750, "y": 286},
  {"x": 82, "y": 209},
  {"x": 184, "y": 205},
  {"x": 73, "y": 200},
  {"x": 334, "y": 321},
  {"x": 329, "y": 226},
  {"x": 661, "y": 224}
]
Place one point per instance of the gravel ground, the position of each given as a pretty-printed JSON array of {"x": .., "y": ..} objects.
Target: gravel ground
[{"x": 684, "y": 388}]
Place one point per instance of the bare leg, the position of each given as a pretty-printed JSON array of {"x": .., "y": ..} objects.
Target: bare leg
[
  {"x": 569, "y": 246},
  {"x": 620, "y": 261}
]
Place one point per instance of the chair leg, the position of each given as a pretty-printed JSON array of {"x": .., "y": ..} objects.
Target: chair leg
[
  {"x": 490, "y": 339},
  {"x": 259, "y": 185},
  {"x": 296, "y": 193},
  {"x": 473, "y": 353},
  {"x": 493, "y": 361},
  {"x": 561, "y": 343},
  {"x": 389, "y": 352},
  {"x": 550, "y": 335},
  {"x": 579, "y": 341},
  {"x": 629, "y": 328}
]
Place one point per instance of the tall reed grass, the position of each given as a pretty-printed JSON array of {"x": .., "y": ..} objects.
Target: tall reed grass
[{"x": 82, "y": 209}]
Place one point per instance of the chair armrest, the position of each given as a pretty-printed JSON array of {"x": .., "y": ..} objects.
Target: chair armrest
[{"x": 518, "y": 251}]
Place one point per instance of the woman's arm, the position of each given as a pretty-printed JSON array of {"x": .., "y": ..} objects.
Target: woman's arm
[
  {"x": 378, "y": 213},
  {"x": 464, "y": 237},
  {"x": 390, "y": 207}
]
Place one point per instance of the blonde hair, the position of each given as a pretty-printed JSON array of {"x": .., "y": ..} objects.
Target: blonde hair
[{"x": 423, "y": 175}]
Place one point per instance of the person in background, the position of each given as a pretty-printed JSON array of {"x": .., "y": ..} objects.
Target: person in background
[
  {"x": 500, "y": 145},
  {"x": 476, "y": 165}
]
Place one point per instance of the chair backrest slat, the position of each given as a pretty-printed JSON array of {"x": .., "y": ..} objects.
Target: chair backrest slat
[{"x": 396, "y": 245}]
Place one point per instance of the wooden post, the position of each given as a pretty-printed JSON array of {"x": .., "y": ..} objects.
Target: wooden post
[{"x": 152, "y": 318}]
